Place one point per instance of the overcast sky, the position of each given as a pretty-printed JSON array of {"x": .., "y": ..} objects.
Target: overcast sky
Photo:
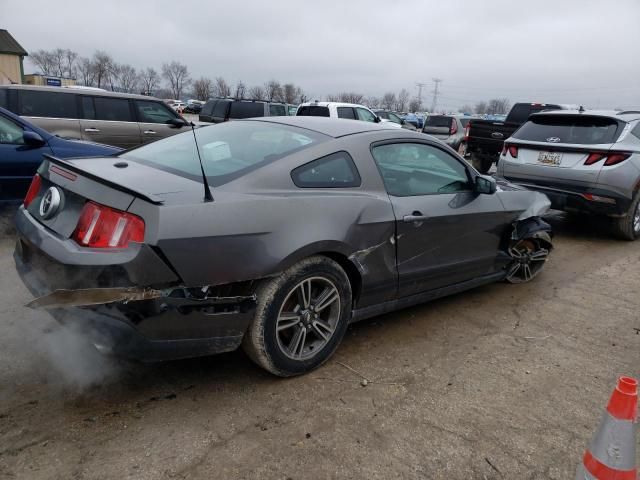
[{"x": 566, "y": 51}]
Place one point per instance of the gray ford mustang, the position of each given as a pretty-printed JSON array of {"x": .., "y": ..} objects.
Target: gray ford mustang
[{"x": 272, "y": 234}]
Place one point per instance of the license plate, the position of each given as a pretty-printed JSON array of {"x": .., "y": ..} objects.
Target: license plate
[{"x": 549, "y": 158}]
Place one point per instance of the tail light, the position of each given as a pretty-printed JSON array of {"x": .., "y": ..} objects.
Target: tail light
[
  {"x": 466, "y": 132},
  {"x": 104, "y": 227},
  {"x": 34, "y": 188},
  {"x": 612, "y": 158},
  {"x": 513, "y": 150},
  {"x": 453, "y": 129}
]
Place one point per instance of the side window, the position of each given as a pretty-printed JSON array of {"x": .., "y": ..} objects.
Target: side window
[
  {"x": 47, "y": 104},
  {"x": 153, "y": 112},
  {"x": 333, "y": 171},
  {"x": 366, "y": 115},
  {"x": 4, "y": 99},
  {"x": 636, "y": 130},
  {"x": 88, "y": 110},
  {"x": 346, "y": 112},
  {"x": 113, "y": 109},
  {"x": 10, "y": 133},
  {"x": 410, "y": 169},
  {"x": 277, "y": 110}
]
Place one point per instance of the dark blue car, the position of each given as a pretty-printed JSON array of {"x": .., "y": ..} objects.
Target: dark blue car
[{"x": 22, "y": 145}]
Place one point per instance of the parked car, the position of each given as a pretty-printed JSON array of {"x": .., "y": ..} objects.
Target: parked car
[
  {"x": 447, "y": 128},
  {"x": 347, "y": 111},
  {"x": 484, "y": 139},
  {"x": 224, "y": 109},
  {"x": 584, "y": 161},
  {"x": 178, "y": 105},
  {"x": 193, "y": 107},
  {"x": 119, "y": 119},
  {"x": 292, "y": 109},
  {"x": 387, "y": 116},
  {"x": 22, "y": 145},
  {"x": 414, "y": 120},
  {"x": 314, "y": 223}
]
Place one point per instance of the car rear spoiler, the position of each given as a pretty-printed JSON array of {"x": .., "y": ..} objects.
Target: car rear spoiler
[{"x": 116, "y": 186}]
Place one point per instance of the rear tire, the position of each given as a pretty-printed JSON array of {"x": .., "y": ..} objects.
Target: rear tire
[
  {"x": 628, "y": 227},
  {"x": 301, "y": 317}
]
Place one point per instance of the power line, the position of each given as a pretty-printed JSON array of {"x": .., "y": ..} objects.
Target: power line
[{"x": 436, "y": 91}]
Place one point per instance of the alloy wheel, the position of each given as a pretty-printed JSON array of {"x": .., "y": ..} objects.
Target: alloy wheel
[{"x": 528, "y": 260}]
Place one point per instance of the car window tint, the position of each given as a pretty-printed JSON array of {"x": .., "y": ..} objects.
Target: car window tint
[
  {"x": 346, "y": 112},
  {"x": 228, "y": 150},
  {"x": 410, "y": 169},
  {"x": 207, "y": 108},
  {"x": 583, "y": 130},
  {"x": 333, "y": 171},
  {"x": 10, "y": 132},
  {"x": 221, "y": 109},
  {"x": 47, "y": 104},
  {"x": 246, "y": 110},
  {"x": 88, "y": 110},
  {"x": 4, "y": 99},
  {"x": 437, "y": 121},
  {"x": 366, "y": 115},
  {"x": 313, "y": 111},
  {"x": 153, "y": 112},
  {"x": 113, "y": 109},
  {"x": 277, "y": 110}
]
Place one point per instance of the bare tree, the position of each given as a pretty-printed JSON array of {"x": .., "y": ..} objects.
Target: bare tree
[
  {"x": 150, "y": 80},
  {"x": 44, "y": 61},
  {"x": 70, "y": 58},
  {"x": 102, "y": 67},
  {"x": 221, "y": 88},
  {"x": 403, "y": 100},
  {"x": 414, "y": 105},
  {"x": 127, "y": 78},
  {"x": 480, "y": 108},
  {"x": 290, "y": 93},
  {"x": 177, "y": 75},
  {"x": 466, "y": 109},
  {"x": 256, "y": 93},
  {"x": 202, "y": 88},
  {"x": 333, "y": 98},
  {"x": 350, "y": 97},
  {"x": 86, "y": 71},
  {"x": 372, "y": 102},
  {"x": 497, "y": 106},
  {"x": 273, "y": 90},
  {"x": 389, "y": 100},
  {"x": 241, "y": 90}
]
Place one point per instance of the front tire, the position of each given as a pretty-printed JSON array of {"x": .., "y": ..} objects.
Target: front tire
[
  {"x": 301, "y": 317},
  {"x": 628, "y": 227}
]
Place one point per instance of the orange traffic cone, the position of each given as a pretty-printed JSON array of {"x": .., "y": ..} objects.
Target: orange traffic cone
[{"x": 612, "y": 452}]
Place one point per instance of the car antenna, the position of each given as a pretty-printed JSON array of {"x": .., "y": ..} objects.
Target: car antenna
[{"x": 208, "y": 197}]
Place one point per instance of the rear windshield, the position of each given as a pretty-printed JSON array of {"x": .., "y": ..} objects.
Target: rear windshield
[
  {"x": 246, "y": 110},
  {"x": 313, "y": 111},
  {"x": 207, "y": 108},
  {"x": 582, "y": 130},
  {"x": 228, "y": 150},
  {"x": 437, "y": 121},
  {"x": 521, "y": 111}
]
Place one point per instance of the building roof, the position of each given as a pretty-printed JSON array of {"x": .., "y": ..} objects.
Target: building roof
[{"x": 9, "y": 45}]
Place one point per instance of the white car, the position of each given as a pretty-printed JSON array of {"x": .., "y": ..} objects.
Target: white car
[{"x": 347, "y": 111}]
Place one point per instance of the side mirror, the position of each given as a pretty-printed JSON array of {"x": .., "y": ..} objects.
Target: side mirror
[
  {"x": 485, "y": 184},
  {"x": 378, "y": 119},
  {"x": 32, "y": 139},
  {"x": 177, "y": 123},
  {"x": 403, "y": 121}
]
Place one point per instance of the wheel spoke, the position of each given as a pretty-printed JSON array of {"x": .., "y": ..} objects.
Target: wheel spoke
[
  {"x": 324, "y": 330},
  {"x": 527, "y": 272},
  {"x": 296, "y": 346},
  {"x": 327, "y": 297},
  {"x": 304, "y": 293},
  {"x": 513, "y": 270},
  {"x": 287, "y": 320},
  {"x": 539, "y": 256}
]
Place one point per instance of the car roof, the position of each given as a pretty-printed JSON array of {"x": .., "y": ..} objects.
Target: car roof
[
  {"x": 80, "y": 91},
  {"x": 328, "y": 104},
  {"x": 333, "y": 127},
  {"x": 626, "y": 116}
]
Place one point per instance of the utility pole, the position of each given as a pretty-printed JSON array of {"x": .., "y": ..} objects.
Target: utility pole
[
  {"x": 436, "y": 92},
  {"x": 420, "y": 85}
]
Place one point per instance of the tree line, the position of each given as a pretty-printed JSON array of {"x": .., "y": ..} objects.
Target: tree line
[
  {"x": 495, "y": 106},
  {"x": 173, "y": 80}
]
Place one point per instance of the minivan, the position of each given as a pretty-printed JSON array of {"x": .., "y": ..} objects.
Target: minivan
[
  {"x": 119, "y": 119},
  {"x": 220, "y": 110}
]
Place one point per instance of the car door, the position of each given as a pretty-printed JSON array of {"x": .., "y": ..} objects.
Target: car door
[
  {"x": 109, "y": 120},
  {"x": 346, "y": 112},
  {"x": 18, "y": 161},
  {"x": 446, "y": 232},
  {"x": 152, "y": 120}
]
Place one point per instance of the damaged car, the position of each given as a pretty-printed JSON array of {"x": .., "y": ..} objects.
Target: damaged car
[{"x": 271, "y": 234}]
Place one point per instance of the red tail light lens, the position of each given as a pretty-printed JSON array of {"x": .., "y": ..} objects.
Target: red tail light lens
[
  {"x": 616, "y": 158},
  {"x": 466, "y": 131},
  {"x": 34, "y": 188},
  {"x": 513, "y": 151},
  {"x": 453, "y": 129},
  {"x": 104, "y": 227},
  {"x": 612, "y": 158}
]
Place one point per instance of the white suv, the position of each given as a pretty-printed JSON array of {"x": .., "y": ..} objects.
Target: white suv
[{"x": 348, "y": 111}]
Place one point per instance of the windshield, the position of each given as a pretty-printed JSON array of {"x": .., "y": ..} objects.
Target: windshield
[
  {"x": 228, "y": 150},
  {"x": 583, "y": 130}
]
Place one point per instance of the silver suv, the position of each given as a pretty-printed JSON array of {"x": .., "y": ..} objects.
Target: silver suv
[
  {"x": 119, "y": 119},
  {"x": 585, "y": 161}
]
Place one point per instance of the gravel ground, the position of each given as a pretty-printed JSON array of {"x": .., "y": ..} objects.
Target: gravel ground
[{"x": 502, "y": 382}]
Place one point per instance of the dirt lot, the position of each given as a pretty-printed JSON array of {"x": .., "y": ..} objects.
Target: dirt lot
[{"x": 501, "y": 382}]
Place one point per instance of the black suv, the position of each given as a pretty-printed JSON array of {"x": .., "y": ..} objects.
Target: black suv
[{"x": 221, "y": 110}]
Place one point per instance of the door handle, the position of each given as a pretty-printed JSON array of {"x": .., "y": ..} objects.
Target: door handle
[
  {"x": 415, "y": 217},
  {"x": 149, "y": 132},
  {"x": 91, "y": 130}
]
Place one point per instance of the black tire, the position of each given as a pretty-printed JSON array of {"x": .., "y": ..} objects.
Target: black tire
[
  {"x": 265, "y": 345},
  {"x": 481, "y": 163},
  {"x": 628, "y": 227}
]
